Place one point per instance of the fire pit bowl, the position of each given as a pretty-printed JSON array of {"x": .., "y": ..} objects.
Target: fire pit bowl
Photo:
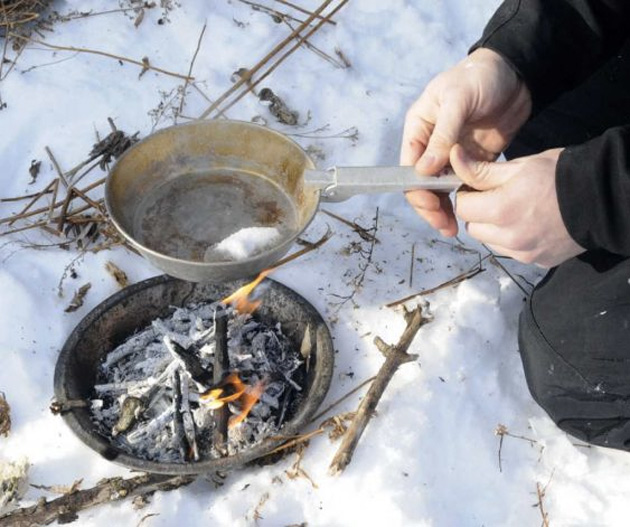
[{"x": 135, "y": 307}]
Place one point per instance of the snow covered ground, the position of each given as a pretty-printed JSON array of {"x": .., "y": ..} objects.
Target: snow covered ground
[{"x": 431, "y": 455}]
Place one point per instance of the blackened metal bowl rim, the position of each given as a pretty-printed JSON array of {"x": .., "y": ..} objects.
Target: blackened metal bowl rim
[{"x": 96, "y": 442}]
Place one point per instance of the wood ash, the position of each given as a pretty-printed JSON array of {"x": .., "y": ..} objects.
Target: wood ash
[{"x": 155, "y": 396}]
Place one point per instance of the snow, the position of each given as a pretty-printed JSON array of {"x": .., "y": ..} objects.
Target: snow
[
  {"x": 243, "y": 243},
  {"x": 430, "y": 457}
]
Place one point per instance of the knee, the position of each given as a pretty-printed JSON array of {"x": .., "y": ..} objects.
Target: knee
[{"x": 577, "y": 405}]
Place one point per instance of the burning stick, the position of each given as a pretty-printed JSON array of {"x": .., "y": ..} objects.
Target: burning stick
[
  {"x": 394, "y": 357},
  {"x": 221, "y": 367},
  {"x": 189, "y": 361},
  {"x": 233, "y": 389}
]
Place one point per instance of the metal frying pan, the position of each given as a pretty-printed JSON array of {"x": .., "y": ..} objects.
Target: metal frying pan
[{"x": 180, "y": 191}]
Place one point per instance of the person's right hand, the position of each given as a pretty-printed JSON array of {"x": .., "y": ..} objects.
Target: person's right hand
[{"x": 480, "y": 103}]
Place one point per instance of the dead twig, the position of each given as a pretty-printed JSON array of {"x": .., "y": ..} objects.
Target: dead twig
[
  {"x": 502, "y": 431},
  {"x": 395, "y": 356},
  {"x": 66, "y": 508},
  {"x": 363, "y": 267},
  {"x": 55, "y": 205},
  {"x": 246, "y": 80},
  {"x": 304, "y": 11},
  {"x": 57, "y": 167},
  {"x": 466, "y": 275},
  {"x": 142, "y": 63},
  {"x": 361, "y": 231},
  {"x": 310, "y": 247},
  {"x": 341, "y": 399},
  {"x": 190, "y": 68},
  {"x": 251, "y": 84},
  {"x": 411, "y": 265},
  {"x": 540, "y": 492}
]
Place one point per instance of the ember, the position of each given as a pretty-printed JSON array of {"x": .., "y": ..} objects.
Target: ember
[{"x": 155, "y": 397}]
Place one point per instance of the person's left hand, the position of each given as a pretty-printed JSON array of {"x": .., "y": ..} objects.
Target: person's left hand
[{"x": 514, "y": 209}]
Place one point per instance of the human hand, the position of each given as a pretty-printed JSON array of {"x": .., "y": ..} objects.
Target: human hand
[
  {"x": 480, "y": 103},
  {"x": 514, "y": 207}
]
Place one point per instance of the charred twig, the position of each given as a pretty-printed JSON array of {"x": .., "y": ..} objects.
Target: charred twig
[
  {"x": 361, "y": 231},
  {"x": 142, "y": 64},
  {"x": 66, "y": 508},
  {"x": 395, "y": 357},
  {"x": 190, "y": 68},
  {"x": 466, "y": 275},
  {"x": 221, "y": 368}
]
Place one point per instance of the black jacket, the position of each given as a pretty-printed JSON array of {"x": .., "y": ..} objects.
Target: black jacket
[{"x": 554, "y": 45}]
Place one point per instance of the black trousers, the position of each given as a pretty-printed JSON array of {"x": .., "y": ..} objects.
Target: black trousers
[{"x": 574, "y": 333}]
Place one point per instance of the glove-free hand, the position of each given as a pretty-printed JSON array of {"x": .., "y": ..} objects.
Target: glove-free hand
[
  {"x": 480, "y": 103},
  {"x": 514, "y": 208}
]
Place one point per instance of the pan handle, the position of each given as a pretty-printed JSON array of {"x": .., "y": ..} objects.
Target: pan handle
[{"x": 341, "y": 183}]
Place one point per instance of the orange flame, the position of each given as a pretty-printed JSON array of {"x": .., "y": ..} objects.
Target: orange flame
[
  {"x": 232, "y": 388},
  {"x": 240, "y": 297}
]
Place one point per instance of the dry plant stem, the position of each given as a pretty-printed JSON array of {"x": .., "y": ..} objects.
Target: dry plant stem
[
  {"x": 57, "y": 167},
  {"x": 55, "y": 205},
  {"x": 541, "y": 494},
  {"x": 466, "y": 275},
  {"x": 192, "y": 64},
  {"x": 341, "y": 399},
  {"x": 264, "y": 60},
  {"x": 66, "y": 507},
  {"x": 52, "y": 201},
  {"x": 363, "y": 232},
  {"x": 44, "y": 223},
  {"x": 98, "y": 13},
  {"x": 251, "y": 85},
  {"x": 269, "y": 11},
  {"x": 297, "y": 440},
  {"x": 411, "y": 266},
  {"x": 305, "y": 11},
  {"x": 496, "y": 261},
  {"x": 317, "y": 51},
  {"x": 143, "y": 65},
  {"x": 302, "y": 252},
  {"x": 395, "y": 356},
  {"x": 25, "y": 196},
  {"x": 49, "y": 188},
  {"x": 221, "y": 367}
]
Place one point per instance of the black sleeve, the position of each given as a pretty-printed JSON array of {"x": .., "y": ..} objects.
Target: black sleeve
[
  {"x": 593, "y": 187},
  {"x": 555, "y": 44}
]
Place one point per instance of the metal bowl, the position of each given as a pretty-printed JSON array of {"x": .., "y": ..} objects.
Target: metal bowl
[
  {"x": 133, "y": 308},
  {"x": 180, "y": 191}
]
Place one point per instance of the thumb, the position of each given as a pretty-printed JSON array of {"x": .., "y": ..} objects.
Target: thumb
[
  {"x": 448, "y": 125},
  {"x": 480, "y": 175}
]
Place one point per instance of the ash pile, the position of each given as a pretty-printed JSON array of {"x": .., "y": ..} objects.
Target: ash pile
[{"x": 157, "y": 396}]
